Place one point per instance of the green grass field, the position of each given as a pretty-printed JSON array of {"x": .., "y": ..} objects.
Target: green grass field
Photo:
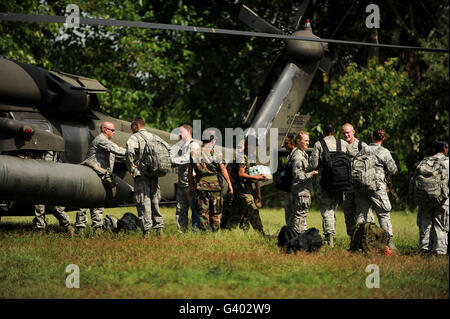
[{"x": 214, "y": 265}]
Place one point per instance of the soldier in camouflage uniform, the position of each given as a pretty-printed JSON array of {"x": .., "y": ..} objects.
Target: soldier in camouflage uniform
[
  {"x": 328, "y": 202},
  {"x": 102, "y": 153},
  {"x": 182, "y": 156},
  {"x": 301, "y": 188},
  {"x": 245, "y": 209},
  {"x": 40, "y": 210},
  {"x": 289, "y": 145},
  {"x": 208, "y": 165},
  {"x": 378, "y": 201},
  {"x": 348, "y": 205},
  {"x": 433, "y": 218},
  {"x": 147, "y": 193}
]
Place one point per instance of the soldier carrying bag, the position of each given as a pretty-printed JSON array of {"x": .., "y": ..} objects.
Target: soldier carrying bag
[
  {"x": 429, "y": 182},
  {"x": 156, "y": 156},
  {"x": 336, "y": 169},
  {"x": 364, "y": 173}
]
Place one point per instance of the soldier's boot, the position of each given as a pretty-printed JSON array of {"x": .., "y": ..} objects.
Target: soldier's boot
[
  {"x": 40, "y": 231},
  {"x": 329, "y": 239},
  {"x": 145, "y": 234},
  {"x": 80, "y": 232},
  {"x": 98, "y": 231},
  {"x": 160, "y": 233},
  {"x": 70, "y": 230},
  {"x": 391, "y": 244}
]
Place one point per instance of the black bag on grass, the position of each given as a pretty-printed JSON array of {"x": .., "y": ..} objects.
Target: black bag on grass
[
  {"x": 128, "y": 221},
  {"x": 290, "y": 241}
]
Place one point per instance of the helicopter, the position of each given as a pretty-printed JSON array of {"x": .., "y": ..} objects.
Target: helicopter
[{"x": 43, "y": 110}]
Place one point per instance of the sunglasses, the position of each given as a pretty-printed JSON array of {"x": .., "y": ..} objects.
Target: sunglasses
[{"x": 111, "y": 129}]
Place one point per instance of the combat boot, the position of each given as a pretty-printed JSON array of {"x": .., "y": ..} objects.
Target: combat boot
[
  {"x": 329, "y": 239},
  {"x": 160, "y": 233},
  {"x": 98, "y": 231},
  {"x": 80, "y": 232},
  {"x": 391, "y": 244},
  {"x": 70, "y": 230},
  {"x": 145, "y": 234},
  {"x": 40, "y": 231}
]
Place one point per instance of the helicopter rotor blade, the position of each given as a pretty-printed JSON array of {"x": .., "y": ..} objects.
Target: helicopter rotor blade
[
  {"x": 255, "y": 22},
  {"x": 300, "y": 14},
  {"x": 147, "y": 25}
]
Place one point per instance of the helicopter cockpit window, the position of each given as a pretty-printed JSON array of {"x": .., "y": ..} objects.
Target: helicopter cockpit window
[
  {"x": 40, "y": 124},
  {"x": 6, "y": 115}
]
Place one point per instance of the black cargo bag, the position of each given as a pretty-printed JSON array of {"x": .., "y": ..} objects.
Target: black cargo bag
[{"x": 290, "y": 241}]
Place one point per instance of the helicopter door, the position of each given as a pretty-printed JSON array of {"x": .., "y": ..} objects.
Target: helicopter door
[{"x": 77, "y": 140}]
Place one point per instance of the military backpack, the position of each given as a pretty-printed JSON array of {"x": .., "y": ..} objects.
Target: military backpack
[
  {"x": 291, "y": 241},
  {"x": 429, "y": 181},
  {"x": 369, "y": 238},
  {"x": 364, "y": 172},
  {"x": 156, "y": 156},
  {"x": 336, "y": 176},
  {"x": 284, "y": 179}
]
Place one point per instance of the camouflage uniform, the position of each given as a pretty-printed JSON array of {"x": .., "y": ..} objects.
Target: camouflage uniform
[
  {"x": 349, "y": 205},
  {"x": 379, "y": 200},
  {"x": 147, "y": 193},
  {"x": 102, "y": 152},
  {"x": 39, "y": 209},
  {"x": 208, "y": 189},
  {"x": 328, "y": 202},
  {"x": 301, "y": 189},
  {"x": 183, "y": 158},
  {"x": 433, "y": 218},
  {"x": 245, "y": 210}
]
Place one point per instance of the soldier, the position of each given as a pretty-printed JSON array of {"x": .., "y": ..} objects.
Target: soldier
[
  {"x": 102, "y": 153},
  {"x": 208, "y": 165},
  {"x": 301, "y": 187},
  {"x": 433, "y": 217},
  {"x": 182, "y": 158},
  {"x": 289, "y": 145},
  {"x": 147, "y": 193},
  {"x": 348, "y": 205},
  {"x": 57, "y": 211},
  {"x": 246, "y": 209},
  {"x": 328, "y": 201},
  {"x": 379, "y": 201}
]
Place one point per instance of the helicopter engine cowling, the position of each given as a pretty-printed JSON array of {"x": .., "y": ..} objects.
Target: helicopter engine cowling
[
  {"x": 44, "y": 182},
  {"x": 305, "y": 51}
]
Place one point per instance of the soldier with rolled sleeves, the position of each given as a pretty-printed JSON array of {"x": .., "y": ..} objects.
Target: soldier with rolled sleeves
[
  {"x": 208, "y": 164},
  {"x": 102, "y": 153},
  {"x": 433, "y": 217},
  {"x": 378, "y": 200},
  {"x": 147, "y": 193},
  {"x": 39, "y": 223},
  {"x": 348, "y": 204},
  {"x": 299, "y": 199},
  {"x": 182, "y": 157},
  {"x": 328, "y": 201}
]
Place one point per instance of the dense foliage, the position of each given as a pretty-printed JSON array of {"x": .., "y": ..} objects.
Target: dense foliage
[{"x": 169, "y": 77}]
